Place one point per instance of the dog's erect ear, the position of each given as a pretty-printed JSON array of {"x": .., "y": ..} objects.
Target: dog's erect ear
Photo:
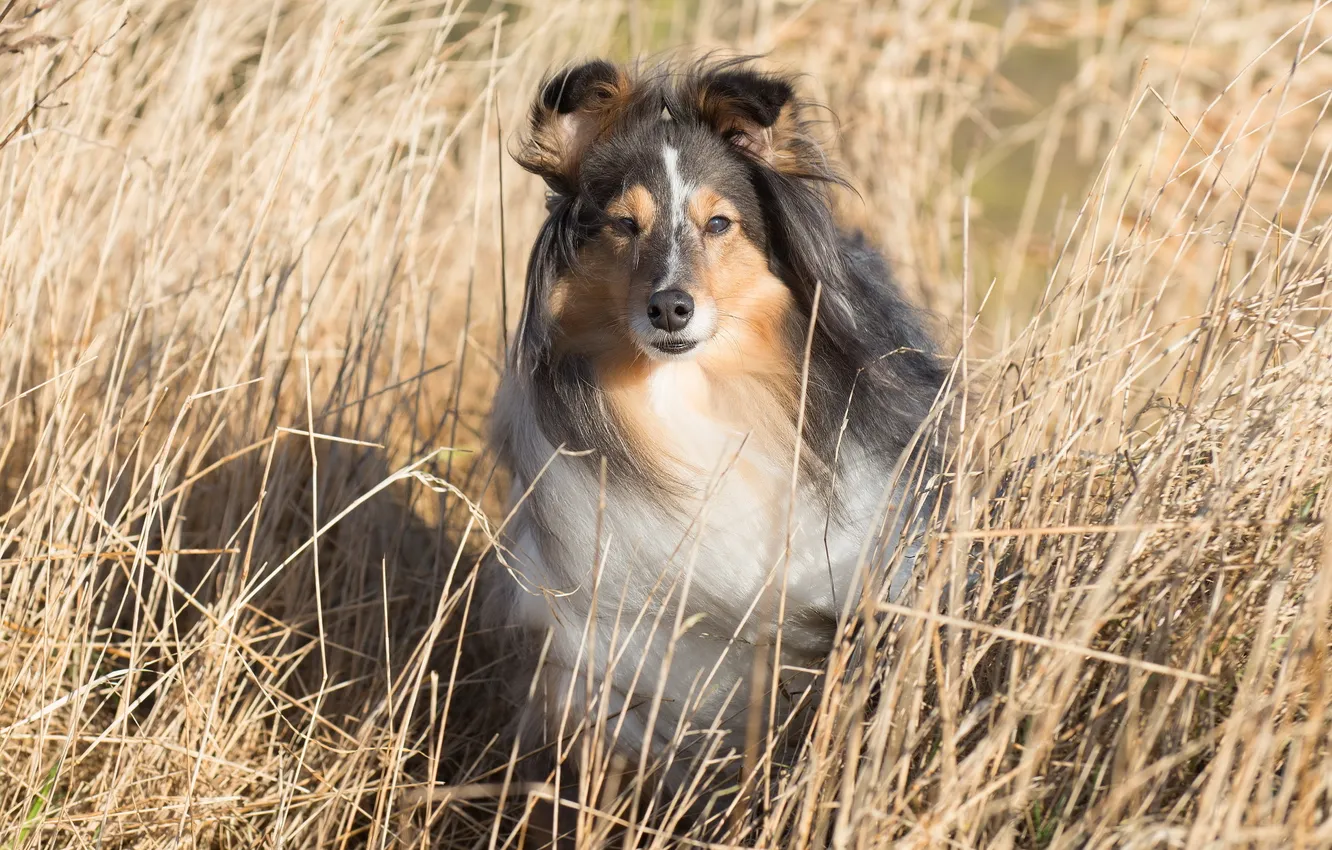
[
  {"x": 573, "y": 109},
  {"x": 760, "y": 115}
]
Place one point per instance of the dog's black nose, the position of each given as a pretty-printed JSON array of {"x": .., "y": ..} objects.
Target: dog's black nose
[{"x": 670, "y": 309}]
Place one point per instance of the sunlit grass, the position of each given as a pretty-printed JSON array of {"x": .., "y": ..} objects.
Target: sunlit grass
[{"x": 253, "y": 263}]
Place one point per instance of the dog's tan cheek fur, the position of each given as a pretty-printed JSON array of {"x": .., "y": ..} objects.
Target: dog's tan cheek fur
[
  {"x": 589, "y": 301},
  {"x": 753, "y": 306},
  {"x": 754, "y": 310}
]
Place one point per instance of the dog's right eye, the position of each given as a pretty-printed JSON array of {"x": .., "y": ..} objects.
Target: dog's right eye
[{"x": 627, "y": 226}]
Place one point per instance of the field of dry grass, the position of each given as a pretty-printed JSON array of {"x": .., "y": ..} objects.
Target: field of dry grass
[{"x": 255, "y": 259}]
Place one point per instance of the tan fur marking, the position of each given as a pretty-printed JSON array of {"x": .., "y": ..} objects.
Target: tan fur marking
[
  {"x": 755, "y": 309},
  {"x": 636, "y": 203},
  {"x": 706, "y": 202},
  {"x": 590, "y": 309}
]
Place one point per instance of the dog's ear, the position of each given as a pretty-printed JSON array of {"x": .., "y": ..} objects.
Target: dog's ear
[
  {"x": 760, "y": 115},
  {"x": 573, "y": 109}
]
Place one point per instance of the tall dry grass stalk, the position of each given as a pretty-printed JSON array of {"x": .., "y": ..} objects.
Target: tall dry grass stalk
[{"x": 253, "y": 258}]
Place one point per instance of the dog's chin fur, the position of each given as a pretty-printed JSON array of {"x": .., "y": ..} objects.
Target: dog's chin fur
[{"x": 658, "y": 526}]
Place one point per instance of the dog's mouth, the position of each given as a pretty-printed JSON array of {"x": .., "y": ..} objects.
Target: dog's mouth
[
  {"x": 678, "y": 342},
  {"x": 675, "y": 346}
]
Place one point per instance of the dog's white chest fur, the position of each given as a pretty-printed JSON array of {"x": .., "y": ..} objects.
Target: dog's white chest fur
[
  {"x": 740, "y": 511},
  {"x": 670, "y": 602}
]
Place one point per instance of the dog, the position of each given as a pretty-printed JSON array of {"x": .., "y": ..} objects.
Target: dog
[{"x": 714, "y": 413}]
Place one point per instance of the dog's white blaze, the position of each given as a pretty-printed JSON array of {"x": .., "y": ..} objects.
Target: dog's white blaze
[{"x": 680, "y": 192}]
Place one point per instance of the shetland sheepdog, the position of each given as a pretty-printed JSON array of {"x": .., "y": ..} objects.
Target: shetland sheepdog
[{"x": 712, "y": 414}]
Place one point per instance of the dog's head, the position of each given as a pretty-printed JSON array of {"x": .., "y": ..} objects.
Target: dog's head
[{"x": 666, "y": 230}]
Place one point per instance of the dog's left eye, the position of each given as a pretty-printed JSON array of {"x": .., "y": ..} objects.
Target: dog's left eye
[
  {"x": 718, "y": 224},
  {"x": 627, "y": 226}
]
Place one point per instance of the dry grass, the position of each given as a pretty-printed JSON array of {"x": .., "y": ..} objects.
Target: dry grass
[{"x": 252, "y": 267}]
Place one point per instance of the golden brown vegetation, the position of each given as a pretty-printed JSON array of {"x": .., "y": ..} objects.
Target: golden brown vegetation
[{"x": 253, "y": 262}]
